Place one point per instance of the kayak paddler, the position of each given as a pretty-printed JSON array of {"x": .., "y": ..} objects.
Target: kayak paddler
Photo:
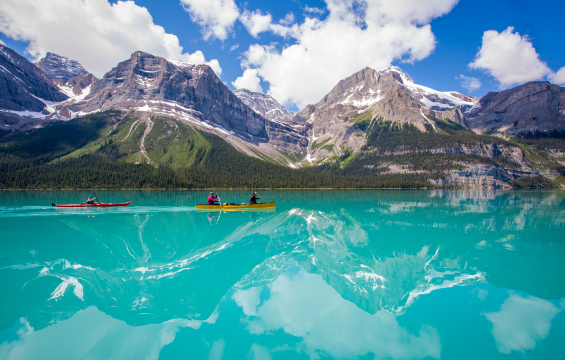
[
  {"x": 254, "y": 197},
  {"x": 92, "y": 200},
  {"x": 212, "y": 199}
]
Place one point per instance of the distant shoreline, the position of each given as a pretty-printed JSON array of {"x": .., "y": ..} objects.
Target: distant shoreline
[
  {"x": 280, "y": 189},
  {"x": 224, "y": 189}
]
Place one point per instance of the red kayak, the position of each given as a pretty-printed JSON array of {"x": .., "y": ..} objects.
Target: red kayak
[{"x": 93, "y": 205}]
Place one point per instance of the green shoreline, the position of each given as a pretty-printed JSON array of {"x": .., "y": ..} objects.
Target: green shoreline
[
  {"x": 227, "y": 189},
  {"x": 282, "y": 189}
]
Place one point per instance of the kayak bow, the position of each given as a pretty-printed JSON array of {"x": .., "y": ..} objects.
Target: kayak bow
[{"x": 93, "y": 205}]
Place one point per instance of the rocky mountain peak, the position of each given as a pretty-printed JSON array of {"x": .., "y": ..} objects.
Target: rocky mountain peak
[
  {"x": 430, "y": 98},
  {"x": 390, "y": 94},
  {"x": 265, "y": 105},
  {"x": 151, "y": 86},
  {"x": 58, "y": 67},
  {"x": 27, "y": 94},
  {"x": 530, "y": 107}
]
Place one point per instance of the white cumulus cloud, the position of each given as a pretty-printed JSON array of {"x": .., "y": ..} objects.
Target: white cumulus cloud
[
  {"x": 558, "y": 77},
  {"x": 314, "y": 10},
  {"x": 94, "y": 32},
  {"x": 249, "y": 80},
  {"x": 355, "y": 34},
  {"x": 216, "y": 17},
  {"x": 255, "y": 23},
  {"x": 509, "y": 58},
  {"x": 288, "y": 19},
  {"x": 469, "y": 83}
]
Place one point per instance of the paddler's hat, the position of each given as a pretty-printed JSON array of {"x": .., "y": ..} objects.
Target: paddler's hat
[{"x": 211, "y": 193}]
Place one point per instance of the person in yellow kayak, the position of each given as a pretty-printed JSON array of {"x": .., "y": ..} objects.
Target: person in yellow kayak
[
  {"x": 213, "y": 199},
  {"x": 92, "y": 200},
  {"x": 254, "y": 197}
]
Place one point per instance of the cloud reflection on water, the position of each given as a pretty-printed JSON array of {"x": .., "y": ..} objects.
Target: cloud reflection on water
[
  {"x": 521, "y": 322},
  {"x": 303, "y": 306}
]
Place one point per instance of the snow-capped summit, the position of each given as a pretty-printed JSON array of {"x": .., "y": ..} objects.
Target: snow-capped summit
[
  {"x": 432, "y": 99},
  {"x": 390, "y": 95},
  {"x": 60, "y": 67},
  {"x": 265, "y": 105}
]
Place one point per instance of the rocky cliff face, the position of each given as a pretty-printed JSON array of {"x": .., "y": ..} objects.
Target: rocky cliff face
[
  {"x": 68, "y": 75},
  {"x": 77, "y": 87},
  {"x": 265, "y": 105},
  {"x": 534, "y": 106},
  {"x": 23, "y": 84},
  {"x": 488, "y": 151},
  {"x": 26, "y": 93},
  {"x": 368, "y": 94},
  {"x": 58, "y": 67},
  {"x": 484, "y": 176},
  {"x": 153, "y": 85}
]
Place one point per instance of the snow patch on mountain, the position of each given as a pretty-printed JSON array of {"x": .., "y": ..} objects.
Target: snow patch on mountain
[
  {"x": 69, "y": 92},
  {"x": 432, "y": 99}
]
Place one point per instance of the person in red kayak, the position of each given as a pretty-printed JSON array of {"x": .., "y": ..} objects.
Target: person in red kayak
[
  {"x": 92, "y": 200},
  {"x": 213, "y": 199}
]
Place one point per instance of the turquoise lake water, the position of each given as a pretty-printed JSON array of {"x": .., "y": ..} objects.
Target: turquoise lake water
[{"x": 329, "y": 275}]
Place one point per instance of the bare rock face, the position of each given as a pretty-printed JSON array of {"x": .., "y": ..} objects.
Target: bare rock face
[
  {"x": 68, "y": 75},
  {"x": 368, "y": 94},
  {"x": 191, "y": 93},
  {"x": 265, "y": 105},
  {"x": 21, "y": 84},
  {"x": 483, "y": 176},
  {"x": 78, "y": 85},
  {"x": 58, "y": 67},
  {"x": 282, "y": 129},
  {"x": 26, "y": 93},
  {"x": 488, "y": 151},
  {"x": 457, "y": 116},
  {"x": 534, "y": 106}
]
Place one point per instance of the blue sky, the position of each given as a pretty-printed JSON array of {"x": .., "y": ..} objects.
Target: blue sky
[{"x": 433, "y": 41}]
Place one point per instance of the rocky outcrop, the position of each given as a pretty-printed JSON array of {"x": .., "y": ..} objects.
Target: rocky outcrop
[
  {"x": 457, "y": 116},
  {"x": 68, "y": 75},
  {"x": 27, "y": 95},
  {"x": 490, "y": 151},
  {"x": 78, "y": 86},
  {"x": 487, "y": 176},
  {"x": 24, "y": 86},
  {"x": 534, "y": 106},
  {"x": 265, "y": 105},
  {"x": 58, "y": 67}
]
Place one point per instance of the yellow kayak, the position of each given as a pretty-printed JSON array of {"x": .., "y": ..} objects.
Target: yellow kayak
[{"x": 261, "y": 206}]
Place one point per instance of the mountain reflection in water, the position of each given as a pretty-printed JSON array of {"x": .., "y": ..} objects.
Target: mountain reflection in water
[{"x": 347, "y": 265}]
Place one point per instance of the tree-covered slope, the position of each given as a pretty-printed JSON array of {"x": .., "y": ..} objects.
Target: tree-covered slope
[
  {"x": 103, "y": 151},
  {"x": 116, "y": 150}
]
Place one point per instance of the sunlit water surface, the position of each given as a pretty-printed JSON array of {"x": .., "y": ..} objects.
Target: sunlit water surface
[{"x": 330, "y": 274}]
